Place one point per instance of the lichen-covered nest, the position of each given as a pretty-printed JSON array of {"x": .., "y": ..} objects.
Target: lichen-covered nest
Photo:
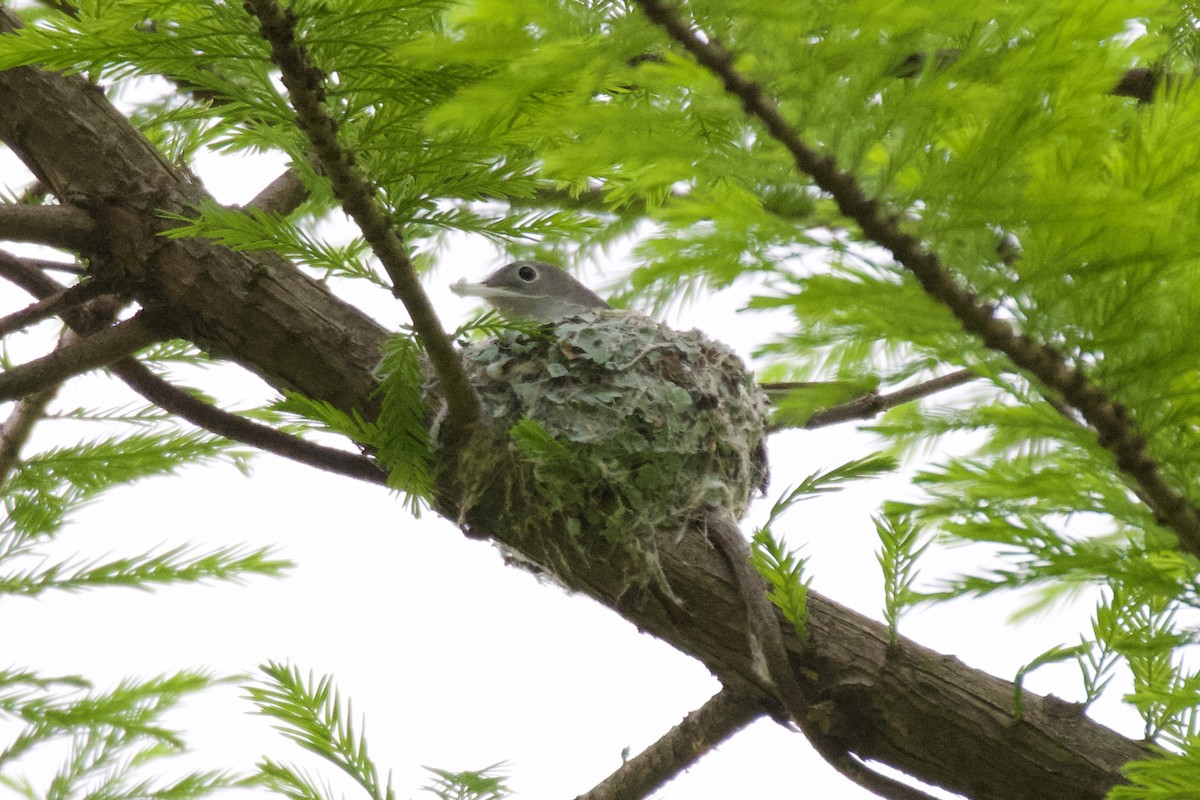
[{"x": 621, "y": 425}]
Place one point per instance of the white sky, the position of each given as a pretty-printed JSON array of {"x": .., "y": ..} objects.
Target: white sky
[{"x": 454, "y": 660}]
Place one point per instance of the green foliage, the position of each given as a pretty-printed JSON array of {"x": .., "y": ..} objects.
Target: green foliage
[
  {"x": 483, "y": 784},
  {"x": 1054, "y": 655},
  {"x": 112, "y": 738},
  {"x": 254, "y": 230},
  {"x": 45, "y": 488},
  {"x": 782, "y": 568},
  {"x": 574, "y": 129},
  {"x": 900, "y": 547},
  {"x": 176, "y": 565},
  {"x": 404, "y": 438},
  {"x": 1174, "y": 777},
  {"x": 400, "y": 436},
  {"x": 796, "y": 407},
  {"x": 311, "y": 714},
  {"x": 833, "y": 480},
  {"x": 784, "y": 572}
]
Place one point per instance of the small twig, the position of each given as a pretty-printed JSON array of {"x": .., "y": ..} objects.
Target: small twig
[
  {"x": 83, "y": 355},
  {"x": 304, "y": 85},
  {"x": 762, "y": 619},
  {"x": 30, "y": 410},
  {"x": 858, "y": 772},
  {"x": 46, "y": 265},
  {"x": 706, "y": 727},
  {"x": 42, "y": 309},
  {"x": 872, "y": 404},
  {"x": 64, "y": 227},
  {"x": 239, "y": 429},
  {"x": 1115, "y": 431},
  {"x": 173, "y": 399}
]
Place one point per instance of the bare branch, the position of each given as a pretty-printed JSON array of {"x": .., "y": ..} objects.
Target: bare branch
[
  {"x": 64, "y": 227},
  {"x": 1108, "y": 418},
  {"x": 762, "y": 621},
  {"x": 175, "y": 400},
  {"x": 31, "y": 408},
  {"x": 49, "y": 306},
  {"x": 303, "y": 82},
  {"x": 239, "y": 429},
  {"x": 83, "y": 355},
  {"x": 870, "y": 404},
  {"x": 724, "y": 714},
  {"x": 26, "y": 273}
]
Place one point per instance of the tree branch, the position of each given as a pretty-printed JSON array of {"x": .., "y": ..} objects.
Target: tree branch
[
  {"x": 64, "y": 227},
  {"x": 49, "y": 306},
  {"x": 83, "y": 355},
  {"x": 30, "y": 409},
  {"x": 724, "y": 714},
  {"x": 204, "y": 415},
  {"x": 281, "y": 196},
  {"x": 176, "y": 401},
  {"x": 1110, "y": 421},
  {"x": 304, "y": 85},
  {"x": 871, "y": 404}
]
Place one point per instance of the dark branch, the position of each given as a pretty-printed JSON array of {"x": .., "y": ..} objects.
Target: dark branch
[
  {"x": 64, "y": 227},
  {"x": 239, "y": 429},
  {"x": 871, "y": 404},
  {"x": 723, "y": 715},
  {"x": 48, "y": 307},
  {"x": 31, "y": 408},
  {"x": 175, "y": 400},
  {"x": 304, "y": 85},
  {"x": 27, "y": 273},
  {"x": 1108, "y": 418},
  {"x": 82, "y": 355}
]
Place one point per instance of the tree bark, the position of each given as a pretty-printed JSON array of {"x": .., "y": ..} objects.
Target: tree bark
[{"x": 925, "y": 714}]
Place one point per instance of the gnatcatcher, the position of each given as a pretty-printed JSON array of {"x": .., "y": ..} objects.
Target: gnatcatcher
[{"x": 532, "y": 290}]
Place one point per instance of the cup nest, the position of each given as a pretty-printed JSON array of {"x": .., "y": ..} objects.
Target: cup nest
[{"x": 620, "y": 427}]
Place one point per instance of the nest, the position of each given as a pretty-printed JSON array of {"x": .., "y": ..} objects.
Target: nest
[{"x": 620, "y": 426}]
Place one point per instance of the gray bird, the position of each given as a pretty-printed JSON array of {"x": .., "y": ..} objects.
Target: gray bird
[{"x": 533, "y": 290}]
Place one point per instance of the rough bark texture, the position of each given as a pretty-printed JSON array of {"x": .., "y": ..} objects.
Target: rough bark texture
[{"x": 925, "y": 714}]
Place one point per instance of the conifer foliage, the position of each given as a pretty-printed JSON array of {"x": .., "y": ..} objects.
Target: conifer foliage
[{"x": 1001, "y": 194}]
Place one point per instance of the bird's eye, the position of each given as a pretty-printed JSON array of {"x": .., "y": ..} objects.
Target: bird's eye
[{"x": 527, "y": 274}]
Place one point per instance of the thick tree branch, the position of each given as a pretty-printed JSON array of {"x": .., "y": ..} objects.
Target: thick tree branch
[
  {"x": 73, "y": 140},
  {"x": 281, "y": 196},
  {"x": 64, "y": 227},
  {"x": 82, "y": 355},
  {"x": 1114, "y": 430},
  {"x": 304, "y": 85},
  {"x": 723, "y": 715}
]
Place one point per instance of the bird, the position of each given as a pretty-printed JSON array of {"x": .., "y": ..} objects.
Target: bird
[
  {"x": 534, "y": 291},
  {"x": 544, "y": 293}
]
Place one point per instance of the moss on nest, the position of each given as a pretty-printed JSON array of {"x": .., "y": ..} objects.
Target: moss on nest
[{"x": 621, "y": 427}]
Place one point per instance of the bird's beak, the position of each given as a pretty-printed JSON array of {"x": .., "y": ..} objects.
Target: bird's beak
[{"x": 464, "y": 289}]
